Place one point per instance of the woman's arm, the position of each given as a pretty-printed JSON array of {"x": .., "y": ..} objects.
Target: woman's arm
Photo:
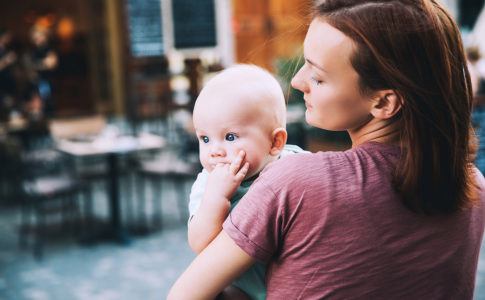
[{"x": 212, "y": 270}]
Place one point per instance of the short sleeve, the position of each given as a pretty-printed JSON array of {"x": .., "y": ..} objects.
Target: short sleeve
[
  {"x": 197, "y": 191},
  {"x": 255, "y": 223}
]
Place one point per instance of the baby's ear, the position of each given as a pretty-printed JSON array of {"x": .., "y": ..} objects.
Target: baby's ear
[{"x": 278, "y": 138}]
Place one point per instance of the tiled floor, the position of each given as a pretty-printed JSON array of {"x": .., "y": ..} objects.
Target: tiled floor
[{"x": 143, "y": 270}]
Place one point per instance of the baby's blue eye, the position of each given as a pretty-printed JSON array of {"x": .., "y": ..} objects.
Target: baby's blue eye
[
  {"x": 230, "y": 137},
  {"x": 205, "y": 139}
]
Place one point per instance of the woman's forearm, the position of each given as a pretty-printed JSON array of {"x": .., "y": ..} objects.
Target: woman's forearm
[{"x": 212, "y": 270}]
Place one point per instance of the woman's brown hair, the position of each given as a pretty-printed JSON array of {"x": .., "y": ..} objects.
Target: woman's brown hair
[{"x": 415, "y": 48}]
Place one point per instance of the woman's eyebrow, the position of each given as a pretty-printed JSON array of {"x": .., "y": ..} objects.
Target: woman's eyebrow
[{"x": 315, "y": 65}]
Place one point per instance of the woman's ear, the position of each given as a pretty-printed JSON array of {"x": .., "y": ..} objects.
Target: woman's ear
[
  {"x": 386, "y": 104},
  {"x": 278, "y": 138}
]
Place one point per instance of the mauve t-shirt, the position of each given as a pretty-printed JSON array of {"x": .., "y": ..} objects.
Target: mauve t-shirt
[{"x": 330, "y": 226}]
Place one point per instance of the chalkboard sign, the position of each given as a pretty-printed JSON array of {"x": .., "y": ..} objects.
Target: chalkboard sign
[
  {"x": 145, "y": 27},
  {"x": 194, "y": 23}
]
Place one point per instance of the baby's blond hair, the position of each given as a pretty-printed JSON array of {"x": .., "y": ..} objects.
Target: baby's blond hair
[{"x": 253, "y": 83}]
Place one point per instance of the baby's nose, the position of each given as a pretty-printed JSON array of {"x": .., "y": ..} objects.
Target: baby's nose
[{"x": 217, "y": 151}]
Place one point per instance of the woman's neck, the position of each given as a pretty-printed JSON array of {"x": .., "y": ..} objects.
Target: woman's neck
[{"x": 376, "y": 130}]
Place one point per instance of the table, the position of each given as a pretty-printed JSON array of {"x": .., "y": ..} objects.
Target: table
[{"x": 111, "y": 148}]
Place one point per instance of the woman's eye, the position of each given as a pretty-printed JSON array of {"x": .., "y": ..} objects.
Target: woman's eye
[
  {"x": 205, "y": 139},
  {"x": 316, "y": 81},
  {"x": 230, "y": 137}
]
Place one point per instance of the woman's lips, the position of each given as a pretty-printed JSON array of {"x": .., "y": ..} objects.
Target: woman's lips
[{"x": 307, "y": 104}]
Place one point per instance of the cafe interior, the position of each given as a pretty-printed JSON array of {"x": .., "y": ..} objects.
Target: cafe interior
[{"x": 97, "y": 147}]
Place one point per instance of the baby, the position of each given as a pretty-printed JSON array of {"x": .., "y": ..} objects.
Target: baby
[{"x": 240, "y": 119}]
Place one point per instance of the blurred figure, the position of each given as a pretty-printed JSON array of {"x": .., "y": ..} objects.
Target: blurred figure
[
  {"x": 32, "y": 104},
  {"x": 478, "y": 114},
  {"x": 473, "y": 56},
  {"x": 7, "y": 80},
  {"x": 43, "y": 61}
]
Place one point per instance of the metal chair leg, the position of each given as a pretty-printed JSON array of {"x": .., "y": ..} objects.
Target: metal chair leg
[
  {"x": 25, "y": 210},
  {"x": 39, "y": 234},
  {"x": 88, "y": 217},
  {"x": 141, "y": 189},
  {"x": 129, "y": 201},
  {"x": 64, "y": 212},
  {"x": 76, "y": 215},
  {"x": 157, "y": 203}
]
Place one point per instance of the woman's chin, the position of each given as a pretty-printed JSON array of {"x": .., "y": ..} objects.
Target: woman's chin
[{"x": 310, "y": 120}]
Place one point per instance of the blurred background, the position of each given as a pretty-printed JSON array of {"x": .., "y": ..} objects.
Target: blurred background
[{"x": 97, "y": 151}]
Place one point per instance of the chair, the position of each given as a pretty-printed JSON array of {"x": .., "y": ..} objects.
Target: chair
[
  {"x": 42, "y": 191},
  {"x": 45, "y": 196}
]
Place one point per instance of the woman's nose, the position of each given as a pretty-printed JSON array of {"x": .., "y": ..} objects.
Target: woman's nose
[{"x": 297, "y": 81}]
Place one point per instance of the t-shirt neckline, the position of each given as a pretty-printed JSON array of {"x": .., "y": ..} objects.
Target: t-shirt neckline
[{"x": 391, "y": 148}]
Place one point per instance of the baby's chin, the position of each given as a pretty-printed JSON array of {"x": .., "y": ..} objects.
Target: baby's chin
[{"x": 250, "y": 175}]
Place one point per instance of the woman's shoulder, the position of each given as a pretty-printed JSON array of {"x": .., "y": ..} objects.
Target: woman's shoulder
[
  {"x": 301, "y": 166},
  {"x": 297, "y": 159}
]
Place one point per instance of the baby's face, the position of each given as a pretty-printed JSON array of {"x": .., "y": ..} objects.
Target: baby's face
[{"x": 223, "y": 130}]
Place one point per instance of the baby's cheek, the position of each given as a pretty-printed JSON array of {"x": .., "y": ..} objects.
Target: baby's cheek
[
  {"x": 204, "y": 161},
  {"x": 253, "y": 163},
  {"x": 232, "y": 155}
]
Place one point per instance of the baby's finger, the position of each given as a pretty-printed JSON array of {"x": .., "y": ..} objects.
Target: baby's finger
[
  {"x": 218, "y": 166},
  {"x": 236, "y": 163},
  {"x": 242, "y": 172}
]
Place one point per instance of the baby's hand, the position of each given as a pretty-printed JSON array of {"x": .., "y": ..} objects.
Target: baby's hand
[{"x": 226, "y": 178}]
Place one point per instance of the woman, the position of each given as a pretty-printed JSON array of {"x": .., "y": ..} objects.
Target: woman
[
  {"x": 399, "y": 215},
  {"x": 44, "y": 61}
]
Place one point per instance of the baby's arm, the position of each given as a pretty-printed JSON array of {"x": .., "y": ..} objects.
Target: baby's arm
[{"x": 221, "y": 184}]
